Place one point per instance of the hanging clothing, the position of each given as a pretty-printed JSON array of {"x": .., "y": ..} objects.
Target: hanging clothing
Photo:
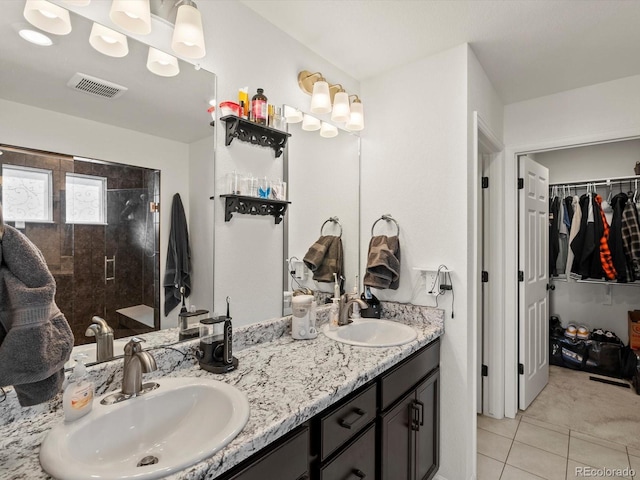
[
  {"x": 605, "y": 253},
  {"x": 554, "y": 240},
  {"x": 563, "y": 239},
  {"x": 631, "y": 235},
  {"x": 586, "y": 244},
  {"x": 621, "y": 261},
  {"x": 576, "y": 218}
]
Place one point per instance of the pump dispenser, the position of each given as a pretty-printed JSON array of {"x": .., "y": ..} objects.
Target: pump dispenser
[
  {"x": 355, "y": 294},
  {"x": 77, "y": 399}
]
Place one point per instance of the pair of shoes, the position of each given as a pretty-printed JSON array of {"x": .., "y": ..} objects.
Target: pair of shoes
[
  {"x": 601, "y": 335},
  {"x": 571, "y": 331},
  {"x": 583, "y": 333}
]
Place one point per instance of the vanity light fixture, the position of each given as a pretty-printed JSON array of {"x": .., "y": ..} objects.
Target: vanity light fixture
[
  {"x": 292, "y": 115},
  {"x": 47, "y": 16},
  {"x": 35, "y": 37},
  {"x": 341, "y": 111},
  {"x": 356, "y": 117},
  {"x": 132, "y": 15},
  {"x": 188, "y": 36},
  {"x": 77, "y": 3},
  {"x": 328, "y": 130},
  {"x": 108, "y": 42},
  {"x": 162, "y": 63},
  {"x": 310, "y": 123}
]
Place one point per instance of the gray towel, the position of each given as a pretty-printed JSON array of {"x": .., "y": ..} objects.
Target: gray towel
[
  {"x": 178, "y": 269},
  {"x": 383, "y": 263},
  {"x": 325, "y": 258},
  {"x": 35, "y": 339}
]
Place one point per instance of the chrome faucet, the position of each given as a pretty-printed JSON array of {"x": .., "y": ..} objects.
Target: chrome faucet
[
  {"x": 346, "y": 301},
  {"x": 136, "y": 362},
  {"x": 104, "y": 338}
]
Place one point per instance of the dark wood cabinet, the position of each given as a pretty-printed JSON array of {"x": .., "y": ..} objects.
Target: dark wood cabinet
[
  {"x": 356, "y": 462},
  {"x": 409, "y": 434}
]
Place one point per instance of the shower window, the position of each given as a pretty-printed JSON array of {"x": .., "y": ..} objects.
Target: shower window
[
  {"x": 26, "y": 194},
  {"x": 86, "y": 199}
]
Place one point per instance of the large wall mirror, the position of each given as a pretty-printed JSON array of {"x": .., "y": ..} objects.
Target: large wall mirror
[{"x": 156, "y": 129}]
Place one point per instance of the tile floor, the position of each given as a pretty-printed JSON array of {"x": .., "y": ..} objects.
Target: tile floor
[{"x": 527, "y": 449}]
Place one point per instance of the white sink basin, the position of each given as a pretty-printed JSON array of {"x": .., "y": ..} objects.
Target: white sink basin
[
  {"x": 372, "y": 333},
  {"x": 182, "y": 422}
]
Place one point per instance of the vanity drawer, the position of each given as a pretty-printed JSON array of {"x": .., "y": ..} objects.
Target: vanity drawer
[
  {"x": 344, "y": 423},
  {"x": 358, "y": 461},
  {"x": 396, "y": 383}
]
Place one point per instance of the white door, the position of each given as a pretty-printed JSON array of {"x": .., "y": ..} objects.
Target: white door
[{"x": 533, "y": 322}]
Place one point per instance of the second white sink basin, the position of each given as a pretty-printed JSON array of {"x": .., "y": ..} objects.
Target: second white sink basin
[
  {"x": 372, "y": 332},
  {"x": 180, "y": 423}
]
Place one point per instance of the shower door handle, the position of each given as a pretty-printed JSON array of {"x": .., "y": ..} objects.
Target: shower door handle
[{"x": 108, "y": 261}]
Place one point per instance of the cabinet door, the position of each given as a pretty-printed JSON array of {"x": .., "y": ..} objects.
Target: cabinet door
[
  {"x": 396, "y": 462},
  {"x": 427, "y": 432},
  {"x": 357, "y": 462}
]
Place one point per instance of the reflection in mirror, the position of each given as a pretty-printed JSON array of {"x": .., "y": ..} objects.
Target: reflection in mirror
[
  {"x": 157, "y": 123},
  {"x": 324, "y": 183},
  {"x": 94, "y": 224}
]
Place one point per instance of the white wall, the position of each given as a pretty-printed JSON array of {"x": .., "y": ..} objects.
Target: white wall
[
  {"x": 416, "y": 166},
  {"x": 30, "y": 127},
  {"x": 596, "y": 113}
]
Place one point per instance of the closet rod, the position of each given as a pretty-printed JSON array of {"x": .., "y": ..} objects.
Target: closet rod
[{"x": 599, "y": 183}]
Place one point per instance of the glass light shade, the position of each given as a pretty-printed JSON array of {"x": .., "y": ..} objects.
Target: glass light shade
[
  {"x": 188, "y": 37},
  {"x": 341, "y": 111},
  {"x": 310, "y": 123},
  {"x": 328, "y": 130},
  {"x": 108, "y": 42},
  {"x": 162, "y": 63},
  {"x": 132, "y": 15},
  {"x": 292, "y": 115},
  {"x": 356, "y": 119},
  {"x": 78, "y": 3},
  {"x": 47, "y": 16},
  {"x": 35, "y": 37},
  {"x": 320, "y": 99}
]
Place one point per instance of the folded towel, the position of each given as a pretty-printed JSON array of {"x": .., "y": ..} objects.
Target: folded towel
[
  {"x": 325, "y": 258},
  {"x": 383, "y": 263},
  {"x": 35, "y": 338},
  {"x": 177, "y": 272}
]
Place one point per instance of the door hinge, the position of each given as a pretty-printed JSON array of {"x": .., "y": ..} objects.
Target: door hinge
[
  {"x": 485, "y": 276},
  {"x": 520, "y": 183},
  {"x": 485, "y": 182},
  {"x": 485, "y": 371},
  {"x": 520, "y": 276},
  {"x": 521, "y": 369}
]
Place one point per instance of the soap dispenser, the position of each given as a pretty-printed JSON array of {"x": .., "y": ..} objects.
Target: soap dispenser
[{"x": 77, "y": 399}]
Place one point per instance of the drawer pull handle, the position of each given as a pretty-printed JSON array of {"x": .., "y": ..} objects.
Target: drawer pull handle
[
  {"x": 348, "y": 424},
  {"x": 421, "y": 405},
  {"x": 414, "y": 415},
  {"x": 358, "y": 473}
]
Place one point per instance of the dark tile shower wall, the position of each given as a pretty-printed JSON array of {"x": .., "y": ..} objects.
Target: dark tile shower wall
[{"x": 76, "y": 254}]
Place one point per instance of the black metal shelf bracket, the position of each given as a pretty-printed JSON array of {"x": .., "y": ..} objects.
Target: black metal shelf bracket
[
  {"x": 251, "y": 132},
  {"x": 254, "y": 206}
]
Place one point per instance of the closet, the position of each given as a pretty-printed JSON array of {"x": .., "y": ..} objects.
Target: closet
[{"x": 581, "y": 293}]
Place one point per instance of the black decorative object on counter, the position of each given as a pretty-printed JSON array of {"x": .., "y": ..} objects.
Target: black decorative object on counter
[
  {"x": 252, "y": 132},
  {"x": 253, "y": 206}
]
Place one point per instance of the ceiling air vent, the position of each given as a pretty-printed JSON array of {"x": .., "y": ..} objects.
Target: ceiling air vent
[{"x": 96, "y": 86}]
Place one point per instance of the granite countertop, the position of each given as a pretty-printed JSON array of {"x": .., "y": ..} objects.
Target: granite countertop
[{"x": 286, "y": 381}]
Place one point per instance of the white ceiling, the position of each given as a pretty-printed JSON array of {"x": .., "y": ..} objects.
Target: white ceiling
[{"x": 529, "y": 48}]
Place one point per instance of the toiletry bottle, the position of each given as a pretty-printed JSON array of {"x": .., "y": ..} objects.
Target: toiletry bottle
[
  {"x": 355, "y": 313},
  {"x": 259, "y": 108},
  {"x": 243, "y": 99},
  {"x": 336, "y": 286},
  {"x": 334, "y": 313},
  {"x": 77, "y": 399}
]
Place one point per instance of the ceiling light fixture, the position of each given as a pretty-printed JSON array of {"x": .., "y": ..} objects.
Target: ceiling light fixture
[
  {"x": 162, "y": 63},
  {"x": 310, "y": 123},
  {"x": 35, "y": 37},
  {"x": 332, "y": 98},
  {"x": 132, "y": 15},
  {"x": 328, "y": 130},
  {"x": 356, "y": 117},
  {"x": 188, "y": 36},
  {"x": 108, "y": 41},
  {"x": 47, "y": 16}
]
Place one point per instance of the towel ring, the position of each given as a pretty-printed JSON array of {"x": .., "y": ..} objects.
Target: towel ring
[
  {"x": 333, "y": 220},
  {"x": 387, "y": 218}
]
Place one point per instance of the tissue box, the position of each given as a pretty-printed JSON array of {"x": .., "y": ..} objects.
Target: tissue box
[{"x": 634, "y": 329}]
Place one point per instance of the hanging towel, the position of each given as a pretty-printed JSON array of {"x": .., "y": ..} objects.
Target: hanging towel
[
  {"x": 177, "y": 274},
  {"x": 383, "y": 263},
  {"x": 35, "y": 338},
  {"x": 325, "y": 258}
]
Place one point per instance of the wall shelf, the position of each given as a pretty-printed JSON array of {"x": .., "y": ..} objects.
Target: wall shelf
[
  {"x": 251, "y": 132},
  {"x": 253, "y": 206}
]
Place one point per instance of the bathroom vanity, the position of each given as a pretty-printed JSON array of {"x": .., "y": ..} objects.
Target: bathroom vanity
[{"x": 319, "y": 409}]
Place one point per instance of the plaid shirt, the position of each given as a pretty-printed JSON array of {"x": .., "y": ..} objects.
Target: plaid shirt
[
  {"x": 605, "y": 253},
  {"x": 631, "y": 234}
]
